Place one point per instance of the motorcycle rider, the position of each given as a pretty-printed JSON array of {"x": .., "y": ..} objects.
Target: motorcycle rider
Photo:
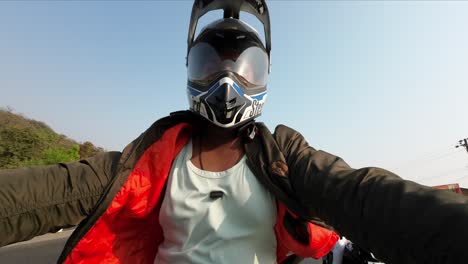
[{"x": 211, "y": 185}]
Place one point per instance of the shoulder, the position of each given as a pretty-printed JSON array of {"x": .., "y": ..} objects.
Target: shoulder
[
  {"x": 157, "y": 130},
  {"x": 283, "y": 131},
  {"x": 174, "y": 118},
  {"x": 288, "y": 138}
]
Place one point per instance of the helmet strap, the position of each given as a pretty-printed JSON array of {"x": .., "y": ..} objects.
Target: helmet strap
[{"x": 248, "y": 130}]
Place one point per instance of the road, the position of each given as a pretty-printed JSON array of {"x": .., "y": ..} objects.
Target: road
[{"x": 45, "y": 249}]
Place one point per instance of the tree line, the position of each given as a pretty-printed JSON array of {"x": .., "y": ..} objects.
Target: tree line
[{"x": 27, "y": 142}]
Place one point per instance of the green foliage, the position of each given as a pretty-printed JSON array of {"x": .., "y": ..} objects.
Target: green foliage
[
  {"x": 54, "y": 155},
  {"x": 18, "y": 146},
  {"x": 25, "y": 142},
  {"x": 87, "y": 150}
]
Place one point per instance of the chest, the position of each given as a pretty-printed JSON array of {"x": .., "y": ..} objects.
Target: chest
[
  {"x": 238, "y": 197},
  {"x": 240, "y": 208}
]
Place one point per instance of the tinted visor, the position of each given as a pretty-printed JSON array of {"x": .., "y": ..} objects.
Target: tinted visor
[{"x": 207, "y": 60}]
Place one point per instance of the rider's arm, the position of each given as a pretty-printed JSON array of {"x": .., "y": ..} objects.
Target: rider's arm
[
  {"x": 398, "y": 220},
  {"x": 37, "y": 200}
]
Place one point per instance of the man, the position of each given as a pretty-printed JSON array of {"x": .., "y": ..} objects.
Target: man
[{"x": 210, "y": 185}]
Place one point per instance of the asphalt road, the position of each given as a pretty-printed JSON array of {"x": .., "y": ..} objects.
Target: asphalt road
[
  {"x": 43, "y": 249},
  {"x": 46, "y": 249}
]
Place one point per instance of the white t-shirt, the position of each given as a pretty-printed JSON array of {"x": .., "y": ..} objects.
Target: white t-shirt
[{"x": 235, "y": 228}]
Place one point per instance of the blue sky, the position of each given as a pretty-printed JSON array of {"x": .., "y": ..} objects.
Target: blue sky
[{"x": 378, "y": 83}]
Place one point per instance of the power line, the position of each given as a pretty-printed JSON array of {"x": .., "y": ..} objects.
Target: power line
[
  {"x": 443, "y": 174},
  {"x": 429, "y": 157}
]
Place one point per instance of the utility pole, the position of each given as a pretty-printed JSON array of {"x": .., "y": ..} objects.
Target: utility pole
[{"x": 463, "y": 143}]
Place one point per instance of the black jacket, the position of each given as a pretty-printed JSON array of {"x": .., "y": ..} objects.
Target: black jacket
[{"x": 400, "y": 221}]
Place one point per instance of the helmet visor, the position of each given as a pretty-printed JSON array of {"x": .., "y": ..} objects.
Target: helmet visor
[{"x": 206, "y": 63}]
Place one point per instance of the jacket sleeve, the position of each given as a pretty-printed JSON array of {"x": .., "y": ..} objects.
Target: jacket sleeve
[
  {"x": 37, "y": 200},
  {"x": 398, "y": 220}
]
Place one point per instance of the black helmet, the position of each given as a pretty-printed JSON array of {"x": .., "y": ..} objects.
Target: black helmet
[{"x": 228, "y": 65}]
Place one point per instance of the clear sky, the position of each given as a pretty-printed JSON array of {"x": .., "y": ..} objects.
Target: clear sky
[{"x": 377, "y": 83}]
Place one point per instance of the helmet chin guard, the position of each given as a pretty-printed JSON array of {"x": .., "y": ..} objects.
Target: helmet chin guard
[{"x": 225, "y": 103}]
